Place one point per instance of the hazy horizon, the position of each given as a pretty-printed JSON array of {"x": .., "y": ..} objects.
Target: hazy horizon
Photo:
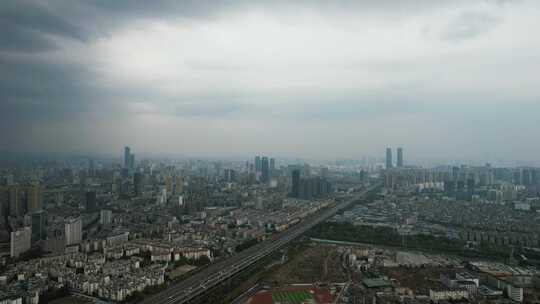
[{"x": 453, "y": 80}]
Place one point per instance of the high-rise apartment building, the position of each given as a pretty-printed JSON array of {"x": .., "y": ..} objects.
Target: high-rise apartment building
[
  {"x": 310, "y": 187},
  {"x": 105, "y": 217},
  {"x": 169, "y": 184},
  {"x": 20, "y": 200},
  {"x": 73, "y": 231},
  {"x": 20, "y": 241},
  {"x": 179, "y": 185}
]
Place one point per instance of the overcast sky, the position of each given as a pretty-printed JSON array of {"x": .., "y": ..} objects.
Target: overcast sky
[{"x": 319, "y": 79}]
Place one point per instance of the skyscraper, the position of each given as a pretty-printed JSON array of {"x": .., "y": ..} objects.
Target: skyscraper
[
  {"x": 400, "y": 157},
  {"x": 91, "y": 201},
  {"x": 258, "y": 165},
  {"x": 127, "y": 157},
  {"x": 295, "y": 183},
  {"x": 132, "y": 162},
  {"x": 138, "y": 183},
  {"x": 272, "y": 164},
  {"x": 39, "y": 225},
  {"x": 388, "y": 158},
  {"x": 312, "y": 187},
  {"x": 265, "y": 170}
]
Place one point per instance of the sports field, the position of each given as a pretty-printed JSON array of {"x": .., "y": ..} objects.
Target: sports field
[{"x": 292, "y": 297}]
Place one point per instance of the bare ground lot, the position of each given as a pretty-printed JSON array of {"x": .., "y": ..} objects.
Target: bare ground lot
[{"x": 309, "y": 264}]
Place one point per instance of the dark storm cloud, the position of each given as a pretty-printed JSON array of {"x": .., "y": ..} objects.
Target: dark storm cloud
[
  {"x": 37, "y": 90},
  {"x": 62, "y": 59},
  {"x": 15, "y": 38},
  {"x": 26, "y": 24}
]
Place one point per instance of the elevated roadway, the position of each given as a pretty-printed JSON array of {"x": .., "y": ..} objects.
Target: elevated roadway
[{"x": 209, "y": 277}]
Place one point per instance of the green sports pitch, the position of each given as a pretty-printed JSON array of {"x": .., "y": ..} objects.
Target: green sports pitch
[{"x": 292, "y": 297}]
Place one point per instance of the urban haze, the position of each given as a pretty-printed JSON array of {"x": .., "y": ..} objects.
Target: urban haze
[
  {"x": 269, "y": 152},
  {"x": 449, "y": 79}
]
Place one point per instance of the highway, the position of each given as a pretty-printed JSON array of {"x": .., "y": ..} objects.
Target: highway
[{"x": 197, "y": 284}]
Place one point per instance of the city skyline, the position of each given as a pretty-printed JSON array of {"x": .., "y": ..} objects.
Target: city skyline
[
  {"x": 321, "y": 80},
  {"x": 269, "y": 151}
]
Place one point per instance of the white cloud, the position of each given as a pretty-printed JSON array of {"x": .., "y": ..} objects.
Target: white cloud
[{"x": 310, "y": 80}]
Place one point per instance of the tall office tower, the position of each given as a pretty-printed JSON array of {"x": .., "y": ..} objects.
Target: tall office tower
[
  {"x": 132, "y": 161},
  {"x": 138, "y": 183},
  {"x": 272, "y": 164},
  {"x": 33, "y": 198},
  {"x": 258, "y": 164},
  {"x": 73, "y": 231},
  {"x": 388, "y": 158},
  {"x": 295, "y": 183},
  {"x": 39, "y": 226},
  {"x": 20, "y": 241},
  {"x": 265, "y": 170},
  {"x": 127, "y": 157},
  {"x": 400, "y": 157},
  {"x": 91, "y": 201}
]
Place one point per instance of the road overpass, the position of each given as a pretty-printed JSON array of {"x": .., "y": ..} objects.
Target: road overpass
[{"x": 209, "y": 277}]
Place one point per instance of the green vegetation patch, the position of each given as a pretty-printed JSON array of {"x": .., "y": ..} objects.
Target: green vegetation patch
[
  {"x": 292, "y": 297},
  {"x": 347, "y": 232}
]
